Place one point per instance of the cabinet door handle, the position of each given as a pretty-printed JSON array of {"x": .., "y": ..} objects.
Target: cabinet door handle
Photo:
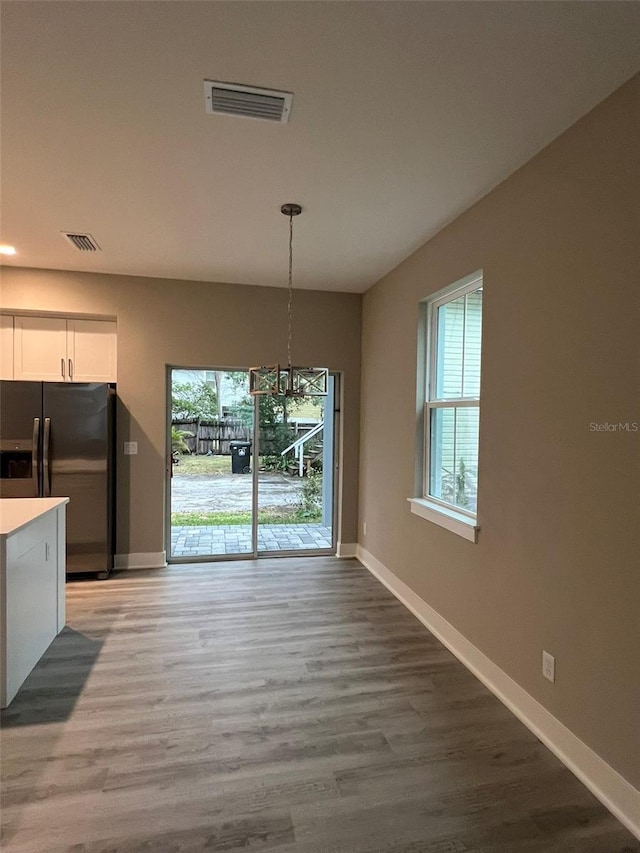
[
  {"x": 62, "y": 367},
  {"x": 70, "y": 369}
]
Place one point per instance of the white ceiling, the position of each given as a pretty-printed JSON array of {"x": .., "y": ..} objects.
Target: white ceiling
[{"x": 403, "y": 115}]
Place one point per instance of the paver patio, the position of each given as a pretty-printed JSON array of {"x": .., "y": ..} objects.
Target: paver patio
[{"x": 236, "y": 539}]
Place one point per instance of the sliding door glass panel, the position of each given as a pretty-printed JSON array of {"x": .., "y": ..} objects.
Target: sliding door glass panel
[
  {"x": 211, "y": 482},
  {"x": 295, "y": 473}
]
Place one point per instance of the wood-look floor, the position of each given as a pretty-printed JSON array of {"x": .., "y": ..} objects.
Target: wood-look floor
[{"x": 278, "y": 705}]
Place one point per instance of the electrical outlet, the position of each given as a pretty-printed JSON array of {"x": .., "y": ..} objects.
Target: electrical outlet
[
  {"x": 130, "y": 448},
  {"x": 548, "y": 666}
]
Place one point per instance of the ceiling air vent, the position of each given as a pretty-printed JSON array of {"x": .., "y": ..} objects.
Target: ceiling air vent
[
  {"x": 247, "y": 101},
  {"x": 82, "y": 242}
]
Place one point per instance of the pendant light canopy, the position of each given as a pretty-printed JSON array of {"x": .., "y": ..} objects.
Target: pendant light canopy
[{"x": 289, "y": 381}]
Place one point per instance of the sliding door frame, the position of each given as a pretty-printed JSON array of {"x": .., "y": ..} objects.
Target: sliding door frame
[{"x": 255, "y": 553}]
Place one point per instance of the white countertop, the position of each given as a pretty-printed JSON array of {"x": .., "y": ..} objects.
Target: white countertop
[{"x": 18, "y": 512}]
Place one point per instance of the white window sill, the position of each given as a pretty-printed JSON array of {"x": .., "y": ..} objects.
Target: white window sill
[{"x": 454, "y": 521}]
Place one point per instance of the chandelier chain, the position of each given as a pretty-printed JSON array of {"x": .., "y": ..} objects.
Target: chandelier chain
[
  {"x": 290, "y": 302},
  {"x": 290, "y": 381}
]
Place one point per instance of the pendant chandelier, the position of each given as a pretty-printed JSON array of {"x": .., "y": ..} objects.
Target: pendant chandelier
[{"x": 289, "y": 381}]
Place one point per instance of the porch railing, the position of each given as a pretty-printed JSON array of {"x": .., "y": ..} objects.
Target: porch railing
[{"x": 298, "y": 446}]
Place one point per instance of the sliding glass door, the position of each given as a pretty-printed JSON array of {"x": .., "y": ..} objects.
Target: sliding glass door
[{"x": 247, "y": 476}]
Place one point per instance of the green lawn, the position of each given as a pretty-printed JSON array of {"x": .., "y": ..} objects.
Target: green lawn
[
  {"x": 211, "y": 464},
  {"x": 202, "y": 465},
  {"x": 206, "y": 519}
]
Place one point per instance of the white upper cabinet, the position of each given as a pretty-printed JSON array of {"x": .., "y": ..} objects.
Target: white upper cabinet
[
  {"x": 40, "y": 348},
  {"x": 6, "y": 347},
  {"x": 55, "y": 349},
  {"x": 91, "y": 350}
]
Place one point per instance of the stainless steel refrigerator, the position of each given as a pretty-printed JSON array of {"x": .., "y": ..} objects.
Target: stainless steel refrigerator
[{"x": 58, "y": 440}]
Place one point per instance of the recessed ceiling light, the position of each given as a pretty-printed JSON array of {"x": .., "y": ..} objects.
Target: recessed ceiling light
[{"x": 7, "y": 250}]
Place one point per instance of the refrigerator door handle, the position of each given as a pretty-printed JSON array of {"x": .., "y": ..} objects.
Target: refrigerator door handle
[
  {"x": 62, "y": 367},
  {"x": 46, "y": 472},
  {"x": 35, "y": 458}
]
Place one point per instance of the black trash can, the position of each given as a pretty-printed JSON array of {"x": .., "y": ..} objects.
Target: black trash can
[{"x": 240, "y": 457}]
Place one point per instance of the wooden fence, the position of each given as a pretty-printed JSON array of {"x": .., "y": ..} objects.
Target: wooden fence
[{"x": 204, "y": 437}]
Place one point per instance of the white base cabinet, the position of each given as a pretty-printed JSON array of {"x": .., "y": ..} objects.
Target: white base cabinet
[{"x": 32, "y": 591}]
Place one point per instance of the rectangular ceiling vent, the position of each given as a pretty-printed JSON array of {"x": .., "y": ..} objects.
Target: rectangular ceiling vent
[
  {"x": 232, "y": 99},
  {"x": 82, "y": 242}
]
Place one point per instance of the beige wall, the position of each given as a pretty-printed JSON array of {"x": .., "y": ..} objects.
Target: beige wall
[
  {"x": 196, "y": 324},
  {"x": 557, "y": 564}
]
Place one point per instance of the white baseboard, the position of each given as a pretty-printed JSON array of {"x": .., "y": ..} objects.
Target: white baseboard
[
  {"x": 149, "y": 560},
  {"x": 346, "y": 550},
  {"x": 613, "y": 791}
]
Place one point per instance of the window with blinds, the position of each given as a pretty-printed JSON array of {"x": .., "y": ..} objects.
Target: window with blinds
[{"x": 452, "y": 396}]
